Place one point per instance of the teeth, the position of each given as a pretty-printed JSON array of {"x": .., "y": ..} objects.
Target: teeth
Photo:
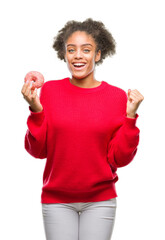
[{"x": 79, "y": 64}]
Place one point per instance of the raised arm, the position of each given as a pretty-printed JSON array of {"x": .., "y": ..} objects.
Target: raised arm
[
  {"x": 123, "y": 145},
  {"x": 35, "y": 138}
]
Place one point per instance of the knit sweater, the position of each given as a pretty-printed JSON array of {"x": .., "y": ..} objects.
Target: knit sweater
[{"x": 85, "y": 135}]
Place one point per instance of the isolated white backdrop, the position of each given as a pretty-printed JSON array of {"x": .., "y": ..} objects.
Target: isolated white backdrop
[{"x": 27, "y": 31}]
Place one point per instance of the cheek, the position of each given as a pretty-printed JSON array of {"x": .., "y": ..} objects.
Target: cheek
[
  {"x": 92, "y": 61},
  {"x": 67, "y": 60}
]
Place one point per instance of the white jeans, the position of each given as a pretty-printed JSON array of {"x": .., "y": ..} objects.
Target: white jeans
[{"x": 79, "y": 221}]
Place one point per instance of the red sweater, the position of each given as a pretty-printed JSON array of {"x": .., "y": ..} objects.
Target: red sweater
[{"x": 85, "y": 136}]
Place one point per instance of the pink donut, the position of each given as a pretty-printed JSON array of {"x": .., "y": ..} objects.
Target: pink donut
[{"x": 36, "y": 77}]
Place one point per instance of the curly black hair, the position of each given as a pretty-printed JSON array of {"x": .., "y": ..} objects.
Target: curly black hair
[{"x": 103, "y": 38}]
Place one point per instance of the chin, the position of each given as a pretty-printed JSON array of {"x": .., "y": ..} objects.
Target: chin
[{"x": 79, "y": 76}]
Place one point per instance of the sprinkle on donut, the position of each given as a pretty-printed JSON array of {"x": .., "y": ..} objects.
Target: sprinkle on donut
[{"x": 36, "y": 77}]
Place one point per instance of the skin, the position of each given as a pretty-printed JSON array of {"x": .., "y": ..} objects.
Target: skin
[
  {"x": 134, "y": 100},
  {"x": 81, "y": 47},
  {"x": 31, "y": 97}
]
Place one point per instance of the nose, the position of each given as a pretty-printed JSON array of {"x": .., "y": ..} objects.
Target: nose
[{"x": 78, "y": 54}]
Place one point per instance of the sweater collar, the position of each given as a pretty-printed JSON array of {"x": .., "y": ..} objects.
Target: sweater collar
[{"x": 84, "y": 90}]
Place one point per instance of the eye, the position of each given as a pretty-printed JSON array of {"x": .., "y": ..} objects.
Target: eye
[
  {"x": 70, "y": 50},
  {"x": 86, "y": 50}
]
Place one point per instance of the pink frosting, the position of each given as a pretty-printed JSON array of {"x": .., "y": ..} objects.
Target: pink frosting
[{"x": 36, "y": 77}]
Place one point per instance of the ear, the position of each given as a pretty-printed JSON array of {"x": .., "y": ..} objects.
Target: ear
[{"x": 98, "y": 56}]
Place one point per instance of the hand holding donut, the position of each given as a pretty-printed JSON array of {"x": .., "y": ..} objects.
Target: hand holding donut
[
  {"x": 36, "y": 78},
  {"x": 33, "y": 80},
  {"x": 134, "y": 100}
]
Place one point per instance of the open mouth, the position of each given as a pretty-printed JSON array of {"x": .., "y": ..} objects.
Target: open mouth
[{"x": 79, "y": 66}]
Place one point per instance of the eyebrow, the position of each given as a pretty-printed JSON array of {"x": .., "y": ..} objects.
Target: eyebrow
[{"x": 81, "y": 45}]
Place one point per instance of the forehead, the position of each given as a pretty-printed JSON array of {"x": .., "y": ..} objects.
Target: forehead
[{"x": 80, "y": 38}]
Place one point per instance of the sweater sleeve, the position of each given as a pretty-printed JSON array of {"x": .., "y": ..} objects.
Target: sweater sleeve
[
  {"x": 35, "y": 138},
  {"x": 123, "y": 145}
]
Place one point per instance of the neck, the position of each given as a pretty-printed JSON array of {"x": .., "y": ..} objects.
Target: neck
[{"x": 87, "y": 82}]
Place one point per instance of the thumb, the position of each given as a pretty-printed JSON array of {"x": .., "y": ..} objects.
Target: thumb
[
  {"x": 34, "y": 93},
  {"x": 129, "y": 97},
  {"x": 129, "y": 91}
]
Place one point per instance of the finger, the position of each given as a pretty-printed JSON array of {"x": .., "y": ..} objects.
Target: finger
[
  {"x": 27, "y": 92},
  {"x": 141, "y": 97},
  {"x": 129, "y": 91},
  {"x": 136, "y": 91},
  {"x": 24, "y": 87},
  {"x": 138, "y": 94},
  {"x": 34, "y": 94},
  {"x": 134, "y": 97},
  {"x": 131, "y": 95}
]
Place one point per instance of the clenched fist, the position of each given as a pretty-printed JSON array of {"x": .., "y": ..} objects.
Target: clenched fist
[{"x": 134, "y": 100}]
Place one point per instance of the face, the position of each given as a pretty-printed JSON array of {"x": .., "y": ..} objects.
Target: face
[{"x": 80, "y": 54}]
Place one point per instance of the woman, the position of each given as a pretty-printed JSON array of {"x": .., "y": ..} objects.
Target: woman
[{"x": 85, "y": 129}]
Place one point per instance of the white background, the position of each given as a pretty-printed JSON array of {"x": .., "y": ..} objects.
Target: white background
[{"x": 26, "y": 37}]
